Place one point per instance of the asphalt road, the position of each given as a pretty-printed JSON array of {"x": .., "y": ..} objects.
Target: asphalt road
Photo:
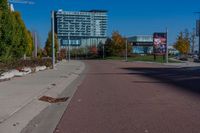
[{"x": 121, "y": 97}]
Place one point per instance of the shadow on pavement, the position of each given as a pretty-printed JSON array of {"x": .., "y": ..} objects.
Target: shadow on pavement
[{"x": 185, "y": 78}]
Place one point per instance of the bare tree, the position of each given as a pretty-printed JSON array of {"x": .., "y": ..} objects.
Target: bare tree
[{"x": 192, "y": 40}]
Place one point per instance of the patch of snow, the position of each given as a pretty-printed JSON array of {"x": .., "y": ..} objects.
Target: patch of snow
[
  {"x": 8, "y": 75},
  {"x": 27, "y": 70},
  {"x": 40, "y": 68}
]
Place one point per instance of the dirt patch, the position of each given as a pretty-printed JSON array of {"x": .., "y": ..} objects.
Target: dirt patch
[{"x": 53, "y": 100}]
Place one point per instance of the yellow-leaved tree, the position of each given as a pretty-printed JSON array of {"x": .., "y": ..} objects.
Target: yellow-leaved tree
[
  {"x": 119, "y": 44},
  {"x": 183, "y": 43}
]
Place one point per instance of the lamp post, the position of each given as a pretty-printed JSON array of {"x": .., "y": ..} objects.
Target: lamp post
[
  {"x": 198, "y": 30},
  {"x": 35, "y": 45},
  {"x": 103, "y": 50},
  {"x": 126, "y": 50},
  {"x": 53, "y": 48},
  {"x": 167, "y": 46},
  {"x": 69, "y": 43},
  {"x": 69, "y": 54}
]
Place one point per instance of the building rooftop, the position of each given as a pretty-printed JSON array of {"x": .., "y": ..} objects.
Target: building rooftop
[
  {"x": 104, "y": 11},
  {"x": 94, "y": 11}
]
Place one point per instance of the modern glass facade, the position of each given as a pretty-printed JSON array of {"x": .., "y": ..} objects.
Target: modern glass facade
[
  {"x": 142, "y": 44},
  {"x": 81, "y": 28},
  {"x": 142, "y": 49}
]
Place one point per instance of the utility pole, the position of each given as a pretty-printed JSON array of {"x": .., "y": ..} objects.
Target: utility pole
[
  {"x": 36, "y": 45},
  {"x": 167, "y": 46},
  {"x": 126, "y": 49},
  {"x": 198, "y": 30},
  {"x": 53, "y": 45},
  {"x": 69, "y": 43},
  {"x": 103, "y": 50}
]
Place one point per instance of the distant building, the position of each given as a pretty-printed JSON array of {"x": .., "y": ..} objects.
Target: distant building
[
  {"x": 142, "y": 44},
  {"x": 172, "y": 50},
  {"x": 81, "y": 28}
]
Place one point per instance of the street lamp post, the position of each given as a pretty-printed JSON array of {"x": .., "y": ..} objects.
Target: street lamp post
[
  {"x": 167, "y": 46},
  {"x": 126, "y": 50},
  {"x": 103, "y": 51},
  {"x": 199, "y": 38},
  {"x": 53, "y": 48},
  {"x": 198, "y": 30},
  {"x": 69, "y": 54},
  {"x": 199, "y": 34}
]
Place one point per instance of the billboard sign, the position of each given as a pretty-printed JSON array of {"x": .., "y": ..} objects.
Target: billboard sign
[
  {"x": 160, "y": 43},
  {"x": 197, "y": 27}
]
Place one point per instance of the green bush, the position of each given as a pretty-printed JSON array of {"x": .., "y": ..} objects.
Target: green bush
[{"x": 18, "y": 64}]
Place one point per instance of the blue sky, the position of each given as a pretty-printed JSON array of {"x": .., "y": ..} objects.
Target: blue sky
[{"x": 129, "y": 17}]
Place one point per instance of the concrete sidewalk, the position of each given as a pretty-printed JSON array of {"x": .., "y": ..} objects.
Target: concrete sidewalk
[
  {"x": 183, "y": 63},
  {"x": 19, "y": 97}
]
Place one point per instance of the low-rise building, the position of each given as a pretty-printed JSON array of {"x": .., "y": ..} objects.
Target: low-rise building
[{"x": 142, "y": 44}]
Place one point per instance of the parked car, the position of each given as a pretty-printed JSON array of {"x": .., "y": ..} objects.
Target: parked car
[{"x": 195, "y": 56}]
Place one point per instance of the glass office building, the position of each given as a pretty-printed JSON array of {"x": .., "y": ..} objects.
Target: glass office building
[{"x": 81, "y": 28}]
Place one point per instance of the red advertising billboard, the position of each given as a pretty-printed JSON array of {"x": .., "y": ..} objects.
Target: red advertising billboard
[{"x": 160, "y": 43}]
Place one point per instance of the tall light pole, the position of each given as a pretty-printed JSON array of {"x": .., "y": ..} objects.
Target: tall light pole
[
  {"x": 53, "y": 45},
  {"x": 69, "y": 43},
  {"x": 35, "y": 45},
  {"x": 103, "y": 50},
  {"x": 126, "y": 49},
  {"x": 167, "y": 46},
  {"x": 198, "y": 30}
]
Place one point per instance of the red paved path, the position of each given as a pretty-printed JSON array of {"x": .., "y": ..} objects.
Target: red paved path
[{"x": 115, "y": 100}]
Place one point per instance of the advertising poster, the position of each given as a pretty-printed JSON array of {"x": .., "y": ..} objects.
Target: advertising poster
[{"x": 160, "y": 43}]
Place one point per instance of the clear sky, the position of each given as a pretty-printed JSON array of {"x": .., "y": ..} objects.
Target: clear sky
[{"x": 129, "y": 17}]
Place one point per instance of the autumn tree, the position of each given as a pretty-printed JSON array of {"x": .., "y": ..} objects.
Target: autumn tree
[
  {"x": 119, "y": 43},
  {"x": 30, "y": 47},
  {"x": 116, "y": 45},
  {"x": 109, "y": 47},
  {"x": 48, "y": 44},
  {"x": 6, "y": 29},
  {"x": 183, "y": 43},
  {"x": 14, "y": 36},
  {"x": 20, "y": 38},
  {"x": 93, "y": 50},
  {"x": 100, "y": 49},
  {"x": 192, "y": 40}
]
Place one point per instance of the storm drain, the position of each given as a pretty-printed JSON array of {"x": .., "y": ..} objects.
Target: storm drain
[{"x": 53, "y": 100}]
